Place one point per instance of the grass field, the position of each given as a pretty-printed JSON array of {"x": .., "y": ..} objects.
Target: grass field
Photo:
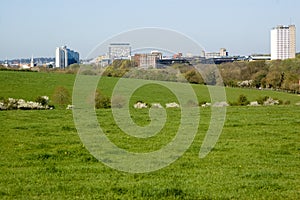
[
  {"x": 29, "y": 85},
  {"x": 42, "y": 157}
]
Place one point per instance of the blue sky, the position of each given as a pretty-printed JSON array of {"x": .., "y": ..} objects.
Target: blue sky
[{"x": 38, "y": 27}]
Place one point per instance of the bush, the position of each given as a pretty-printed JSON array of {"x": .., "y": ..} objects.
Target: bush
[
  {"x": 280, "y": 102},
  {"x": 202, "y": 103},
  {"x": 192, "y": 103},
  {"x": 61, "y": 96},
  {"x": 41, "y": 100},
  {"x": 88, "y": 72},
  {"x": 242, "y": 101},
  {"x": 261, "y": 100},
  {"x": 233, "y": 103},
  {"x": 118, "y": 101},
  {"x": 101, "y": 101}
]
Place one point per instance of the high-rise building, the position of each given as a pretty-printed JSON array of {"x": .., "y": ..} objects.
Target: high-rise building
[
  {"x": 65, "y": 57},
  {"x": 283, "y": 42},
  {"x": 119, "y": 51}
]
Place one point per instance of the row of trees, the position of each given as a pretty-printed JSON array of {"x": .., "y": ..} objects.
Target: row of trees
[{"x": 276, "y": 74}]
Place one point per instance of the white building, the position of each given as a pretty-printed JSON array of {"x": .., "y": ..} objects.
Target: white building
[
  {"x": 119, "y": 51},
  {"x": 65, "y": 57},
  {"x": 222, "y": 53},
  {"x": 283, "y": 42},
  {"x": 31, "y": 62}
]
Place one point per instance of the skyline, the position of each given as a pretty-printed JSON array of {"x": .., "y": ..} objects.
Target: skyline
[{"x": 38, "y": 27}]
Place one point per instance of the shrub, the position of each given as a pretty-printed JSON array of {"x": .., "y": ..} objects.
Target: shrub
[
  {"x": 118, "y": 101},
  {"x": 88, "y": 72},
  {"x": 242, "y": 101},
  {"x": 61, "y": 96},
  {"x": 101, "y": 101},
  {"x": 261, "y": 100},
  {"x": 192, "y": 103},
  {"x": 280, "y": 102},
  {"x": 233, "y": 103},
  {"x": 41, "y": 100},
  {"x": 202, "y": 103}
]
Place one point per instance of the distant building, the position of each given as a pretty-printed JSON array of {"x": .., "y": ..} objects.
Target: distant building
[
  {"x": 119, "y": 51},
  {"x": 102, "y": 60},
  {"x": 221, "y": 53},
  {"x": 177, "y": 56},
  {"x": 65, "y": 57},
  {"x": 255, "y": 57},
  {"x": 31, "y": 62},
  {"x": 147, "y": 60},
  {"x": 6, "y": 63},
  {"x": 283, "y": 42},
  {"x": 163, "y": 63}
]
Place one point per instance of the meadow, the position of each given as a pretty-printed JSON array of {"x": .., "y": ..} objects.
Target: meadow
[{"x": 42, "y": 156}]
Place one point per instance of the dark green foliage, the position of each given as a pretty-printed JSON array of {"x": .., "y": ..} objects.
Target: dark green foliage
[
  {"x": 41, "y": 100},
  {"x": 101, "y": 101},
  {"x": 242, "y": 101}
]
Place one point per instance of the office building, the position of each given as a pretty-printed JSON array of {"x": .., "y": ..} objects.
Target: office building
[
  {"x": 147, "y": 60},
  {"x": 283, "y": 42},
  {"x": 65, "y": 57},
  {"x": 222, "y": 53},
  {"x": 119, "y": 51}
]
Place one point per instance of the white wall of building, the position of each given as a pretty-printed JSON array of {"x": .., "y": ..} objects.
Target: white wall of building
[
  {"x": 64, "y": 57},
  {"x": 283, "y": 42}
]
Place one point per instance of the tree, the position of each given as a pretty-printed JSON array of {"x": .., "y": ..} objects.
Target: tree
[
  {"x": 258, "y": 78},
  {"x": 61, "y": 96},
  {"x": 291, "y": 82},
  {"x": 192, "y": 76},
  {"x": 274, "y": 79}
]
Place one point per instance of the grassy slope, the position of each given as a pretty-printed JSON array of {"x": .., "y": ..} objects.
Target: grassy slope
[
  {"x": 29, "y": 85},
  {"x": 257, "y": 155}
]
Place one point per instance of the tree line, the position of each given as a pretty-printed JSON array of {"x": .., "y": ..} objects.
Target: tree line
[{"x": 275, "y": 74}]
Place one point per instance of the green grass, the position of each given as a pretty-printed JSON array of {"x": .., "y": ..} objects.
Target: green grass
[
  {"x": 42, "y": 157},
  {"x": 29, "y": 85}
]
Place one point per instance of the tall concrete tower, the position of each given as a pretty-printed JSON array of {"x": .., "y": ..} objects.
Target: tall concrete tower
[{"x": 283, "y": 42}]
